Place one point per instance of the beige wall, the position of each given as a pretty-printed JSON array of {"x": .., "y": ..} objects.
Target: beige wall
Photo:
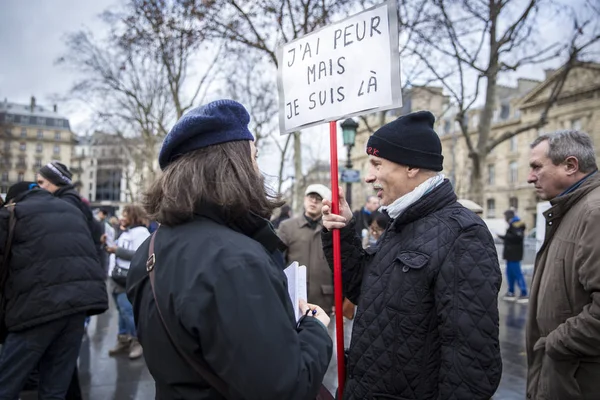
[{"x": 38, "y": 150}]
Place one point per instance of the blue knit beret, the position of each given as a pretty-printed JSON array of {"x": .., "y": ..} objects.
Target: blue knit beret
[{"x": 214, "y": 123}]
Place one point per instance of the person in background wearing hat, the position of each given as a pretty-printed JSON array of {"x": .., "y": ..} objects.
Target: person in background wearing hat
[
  {"x": 220, "y": 286},
  {"x": 427, "y": 292},
  {"x": 55, "y": 177},
  {"x": 513, "y": 254},
  {"x": 54, "y": 281},
  {"x": 302, "y": 236}
]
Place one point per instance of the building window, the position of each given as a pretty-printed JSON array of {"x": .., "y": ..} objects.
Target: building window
[
  {"x": 38, "y": 163},
  {"x": 39, "y": 148},
  {"x": 40, "y": 134},
  {"x": 23, "y": 132},
  {"x": 504, "y": 111},
  {"x": 491, "y": 208},
  {"x": 41, "y": 120},
  {"x": 23, "y": 146},
  {"x": 5, "y": 176},
  {"x": 491, "y": 174},
  {"x": 514, "y": 144},
  {"x": 513, "y": 203},
  {"x": 91, "y": 174},
  {"x": 576, "y": 124},
  {"x": 56, "y": 149},
  {"x": 57, "y": 135},
  {"x": 513, "y": 172},
  {"x": 66, "y": 123},
  {"x": 9, "y": 118},
  {"x": 24, "y": 119},
  {"x": 3, "y": 189},
  {"x": 91, "y": 186},
  {"x": 20, "y": 177}
]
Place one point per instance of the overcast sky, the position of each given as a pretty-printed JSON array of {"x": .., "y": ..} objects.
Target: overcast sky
[{"x": 29, "y": 49}]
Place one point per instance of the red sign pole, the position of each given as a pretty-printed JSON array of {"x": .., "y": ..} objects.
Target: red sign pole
[{"x": 337, "y": 260}]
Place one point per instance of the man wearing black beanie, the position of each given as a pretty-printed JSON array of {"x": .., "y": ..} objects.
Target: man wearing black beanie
[
  {"x": 55, "y": 177},
  {"x": 427, "y": 292}
]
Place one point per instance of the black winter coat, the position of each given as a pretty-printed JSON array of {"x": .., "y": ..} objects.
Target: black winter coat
[
  {"x": 362, "y": 220},
  {"x": 224, "y": 296},
  {"x": 513, "y": 241},
  {"x": 70, "y": 195},
  {"x": 54, "y": 270},
  {"x": 427, "y": 321}
]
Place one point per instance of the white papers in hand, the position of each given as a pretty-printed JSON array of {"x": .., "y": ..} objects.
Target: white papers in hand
[{"x": 296, "y": 277}]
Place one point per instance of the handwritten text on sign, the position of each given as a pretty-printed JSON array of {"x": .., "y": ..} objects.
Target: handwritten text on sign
[{"x": 341, "y": 70}]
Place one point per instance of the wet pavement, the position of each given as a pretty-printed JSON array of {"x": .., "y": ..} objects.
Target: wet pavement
[{"x": 117, "y": 378}]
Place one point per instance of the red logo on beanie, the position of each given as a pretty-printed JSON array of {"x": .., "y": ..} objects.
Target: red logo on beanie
[{"x": 372, "y": 151}]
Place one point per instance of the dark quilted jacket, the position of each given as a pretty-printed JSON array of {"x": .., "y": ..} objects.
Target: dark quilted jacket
[
  {"x": 427, "y": 295},
  {"x": 53, "y": 269}
]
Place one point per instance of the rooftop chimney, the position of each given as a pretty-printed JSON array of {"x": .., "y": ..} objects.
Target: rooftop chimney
[
  {"x": 55, "y": 108},
  {"x": 32, "y": 103}
]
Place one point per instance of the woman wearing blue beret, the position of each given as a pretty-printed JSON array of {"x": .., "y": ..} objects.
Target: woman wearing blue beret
[{"x": 208, "y": 290}]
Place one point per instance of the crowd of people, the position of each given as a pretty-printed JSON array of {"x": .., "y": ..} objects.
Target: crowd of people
[{"x": 201, "y": 293}]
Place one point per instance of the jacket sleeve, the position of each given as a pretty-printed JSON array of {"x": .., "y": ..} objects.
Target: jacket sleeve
[
  {"x": 354, "y": 259},
  {"x": 249, "y": 336},
  {"x": 579, "y": 336},
  {"x": 284, "y": 235},
  {"x": 466, "y": 298},
  {"x": 514, "y": 235},
  {"x": 124, "y": 254}
]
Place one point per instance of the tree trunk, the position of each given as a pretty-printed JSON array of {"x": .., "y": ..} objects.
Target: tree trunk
[
  {"x": 486, "y": 116},
  {"x": 485, "y": 126},
  {"x": 298, "y": 195},
  {"x": 477, "y": 179}
]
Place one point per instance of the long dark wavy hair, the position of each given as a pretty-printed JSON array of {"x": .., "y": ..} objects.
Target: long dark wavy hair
[{"x": 221, "y": 175}]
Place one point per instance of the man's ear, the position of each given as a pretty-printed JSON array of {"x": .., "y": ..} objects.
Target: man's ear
[
  {"x": 413, "y": 171},
  {"x": 571, "y": 165}
]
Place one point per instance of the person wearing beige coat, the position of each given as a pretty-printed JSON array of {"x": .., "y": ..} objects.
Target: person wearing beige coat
[
  {"x": 302, "y": 236},
  {"x": 563, "y": 327}
]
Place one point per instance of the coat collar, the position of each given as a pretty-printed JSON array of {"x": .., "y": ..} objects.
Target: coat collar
[
  {"x": 440, "y": 197},
  {"x": 251, "y": 225},
  {"x": 301, "y": 222},
  {"x": 562, "y": 204}
]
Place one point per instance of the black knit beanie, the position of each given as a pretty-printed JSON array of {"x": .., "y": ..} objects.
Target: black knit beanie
[
  {"x": 410, "y": 140},
  {"x": 57, "y": 173},
  {"x": 18, "y": 189}
]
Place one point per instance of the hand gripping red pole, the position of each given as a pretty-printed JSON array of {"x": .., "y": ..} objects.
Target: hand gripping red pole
[{"x": 337, "y": 260}]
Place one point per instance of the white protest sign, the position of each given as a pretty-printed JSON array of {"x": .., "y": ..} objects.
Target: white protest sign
[{"x": 341, "y": 70}]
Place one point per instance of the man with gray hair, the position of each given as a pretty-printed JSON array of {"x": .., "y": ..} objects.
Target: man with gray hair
[
  {"x": 427, "y": 292},
  {"x": 563, "y": 327}
]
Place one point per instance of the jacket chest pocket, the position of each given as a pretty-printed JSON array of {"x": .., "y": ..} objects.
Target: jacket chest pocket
[{"x": 407, "y": 290}]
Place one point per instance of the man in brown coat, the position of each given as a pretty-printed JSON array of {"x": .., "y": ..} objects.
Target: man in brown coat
[
  {"x": 563, "y": 327},
  {"x": 302, "y": 235}
]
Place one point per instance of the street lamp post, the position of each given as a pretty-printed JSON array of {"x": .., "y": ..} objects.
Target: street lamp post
[{"x": 349, "y": 127}]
